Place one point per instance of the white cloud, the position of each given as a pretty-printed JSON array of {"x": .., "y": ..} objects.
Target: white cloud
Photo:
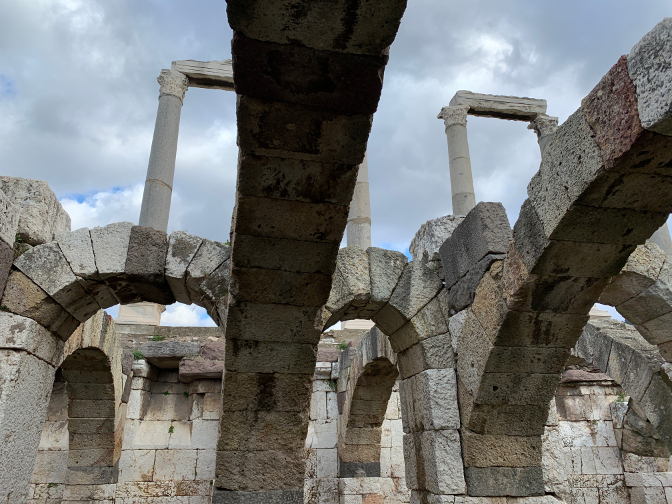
[
  {"x": 182, "y": 315},
  {"x": 105, "y": 207}
]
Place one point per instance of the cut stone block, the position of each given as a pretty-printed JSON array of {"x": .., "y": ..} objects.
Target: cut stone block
[
  {"x": 260, "y": 470},
  {"x": 248, "y": 391},
  {"x": 145, "y": 265},
  {"x": 498, "y": 106},
  {"x": 500, "y": 451},
  {"x": 21, "y": 333},
  {"x": 649, "y": 69},
  {"x": 167, "y": 354},
  {"x": 269, "y": 357},
  {"x": 485, "y": 230},
  {"x": 182, "y": 247},
  {"x": 429, "y": 401},
  {"x": 208, "y": 258},
  {"x": 110, "y": 248},
  {"x": 23, "y": 297},
  {"x": 462, "y": 293},
  {"x": 41, "y": 216},
  {"x": 427, "y": 323},
  {"x": 9, "y": 220},
  {"x": 198, "y": 369},
  {"x": 47, "y": 267},
  {"x": 431, "y": 236},
  {"x": 221, "y": 496},
  {"x": 351, "y": 286},
  {"x": 504, "y": 481}
]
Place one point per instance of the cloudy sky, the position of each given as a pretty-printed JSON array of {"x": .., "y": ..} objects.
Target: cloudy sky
[{"x": 78, "y": 100}]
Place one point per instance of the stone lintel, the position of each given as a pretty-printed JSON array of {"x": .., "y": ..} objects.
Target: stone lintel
[
  {"x": 502, "y": 107},
  {"x": 207, "y": 74}
]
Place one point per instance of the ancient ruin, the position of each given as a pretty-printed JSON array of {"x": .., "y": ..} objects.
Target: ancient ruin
[{"x": 483, "y": 378}]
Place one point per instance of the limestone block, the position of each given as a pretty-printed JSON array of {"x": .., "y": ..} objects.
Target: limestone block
[
  {"x": 485, "y": 230},
  {"x": 54, "y": 436},
  {"x": 318, "y": 406},
  {"x": 180, "y": 438},
  {"x": 143, "y": 369},
  {"x": 146, "y": 434},
  {"x": 462, "y": 293},
  {"x": 650, "y": 72},
  {"x": 260, "y": 470},
  {"x": 207, "y": 259},
  {"x": 657, "y": 394},
  {"x": 205, "y": 465},
  {"x": 25, "y": 387},
  {"x": 78, "y": 250},
  {"x": 653, "y": 302},
  {"x": 182, "y": 247},
  {"x": 167, "y": 407},
  {"x": 245, "y": 391},
  {"x": 473, "y": 350},
  {"x": 500, "y": 451},
  {"x": 110, "y": 248},
  {"x": 136, "y": 465},
  {"x": 271, "y": 357},
  {"x": 440, "y": 451},
  {"x": 145, "y": 264},
  {"x": 430, "y": 398},
  {"x": 175, "y": 465},
  {"x": 41, "y": 217},
  {"x": 352, "y": 284},
  {"x": 212, "y": 405},
  {"x": 50, "y": 466},
  {"x": 577, "y": 434},
  {"x": 89, "y": 492},
  {"x": 513, "y": 481},
  {"x": 6, "y": 259},
  {"x": 249, "y": 430},
  {"x": 205, "y": 387},
  {"x": 47, "y": 267},
  {"x": 251, "y": 321},
  {"x": 145, "y": 490},
  {"x": 204, "y": 434},
  {"x": 417, "y": 286},
  {"x": 23, "y": 297},
  {"x": 9, "y": 220},
  {"x": 427, "y": 323},
  {"x": 594, "y": 346},
  {"x": 197, "y": 368},
  {"x": 167, "y": 354},
  {"x": 21, "y": 333},
  {"x": 385, "y": 269},
  {"x": 431, "y": 236}
]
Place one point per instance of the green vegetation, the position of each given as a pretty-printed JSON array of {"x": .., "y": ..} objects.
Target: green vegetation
[
  {"x": 342, "y": 346},
  {"x": 165, "y": 392},
  {"x": 158, "y": 337},
  {"x": 620, "y": 397},
  {"x": 138, "y": 355},
  {"x": 186, "y": 394},
  {"x": 171, "y": 429},
  {"x": 332, "y": 385}
]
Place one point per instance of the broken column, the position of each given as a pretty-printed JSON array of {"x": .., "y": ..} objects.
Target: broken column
[
  {"x": 544, "y": 126},
  {"x": 461, "y": 181}
]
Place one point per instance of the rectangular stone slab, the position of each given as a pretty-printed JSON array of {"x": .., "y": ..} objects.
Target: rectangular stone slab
[
  {"x": 207, "y": 74},
  {"x": 498, "y": 106}
]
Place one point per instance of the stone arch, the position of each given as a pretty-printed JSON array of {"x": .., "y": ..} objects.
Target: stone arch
[
  {"x": 63, "y": 283},
  {"x": 618, "y": 350},
  {"x": 589, "y": 207},
  {"x": 369, "y": 382}
]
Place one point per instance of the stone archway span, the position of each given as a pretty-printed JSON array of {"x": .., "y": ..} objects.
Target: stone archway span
[
  {"x": 603, "y": 188},
  {"x": 618, "y": 350},
  {"x": 367, "y": 380},
  {"x": 63, "y": 283}
]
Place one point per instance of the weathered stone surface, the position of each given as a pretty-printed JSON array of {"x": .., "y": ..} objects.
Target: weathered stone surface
[
  {"x": 6, "y": 260},
  {"x": 167, "y": 354},
  {"x": 416, "y": 287},
  {"x": 317, "y": 135},
  {"x": 432, "y": 353},
  {"x": 21, "y": 333},
  {"x": 500, "y": 451},
  {"x": 145, "y": 265},
  {"x": 462, "y": 293},
  {"x": 429, "y": 401},
  {"x": 385, "y": 269},
  {"x": 47, "y": 267},
  {"x": 367, "y": 30},
  {"x": 262, "y": 497},
  {"x": 427, "y": 323},
  {"x": 638, "y": 274},
  {"x": 207, "y": 259},
  {"x": 9, "y": 220},
  {"x": 291, "y": 73},
  {"x": 110, "y": 248},
  {"x": 513, "y": 481},
  {"x": 351, "y": 286},
  {"x": 41, "y": 216},
  {"x": 653, "y": 302},
  {"x": 250, "y": 391},
  {"x": 485, "y": 230},
  {"x": 473, "y": 350},
  {"x": 182, "y": 247},
  {"x": 650, "y": 71},
  {"x": 432, "y": 234},
  {"x": 269, "y": 357},
  {"x": 273, "y": 322},
  {"x": 23, "y": 297},
  {"x": 294, "y": 179},
  {"x": 259, "y": 470},
  {"x": 262, "y": 286},
  {"x": 435, "y": 459},
  {"x": 25, "y": 386},
  {"x": 199, "y": 369}
]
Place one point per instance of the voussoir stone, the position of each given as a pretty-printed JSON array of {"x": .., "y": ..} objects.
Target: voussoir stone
[
  {"x": 182, "y": 248},
  {"x": 110, "y": 248},
  {"x": 41, "y": 217},
  {"x": 146, "y": 263},
  {"x": 651, "y": 72},
  {"x": 208, "y": 258},
  {"x": 431, "y": 236}
]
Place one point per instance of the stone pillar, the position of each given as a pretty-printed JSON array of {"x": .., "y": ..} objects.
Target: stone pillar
[
  {"x": 159, "y": 183},
  {"x": 461, "y": 182},
  {"x": 544, "y": 126},
  {"x": 358, "y": 231}
]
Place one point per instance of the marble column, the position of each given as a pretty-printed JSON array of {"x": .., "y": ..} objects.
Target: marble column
[
  {"x": 461, "y": 181},
  {"x": 159, "y": 182},
  {"x": 358, "y": 231},
  {"x": 544, "y": 126},
  {"x": 161, "y": 170}
]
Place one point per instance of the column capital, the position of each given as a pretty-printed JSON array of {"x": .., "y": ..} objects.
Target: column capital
[
  {"x": 543, "y": 125},
  {"x": 173, "y": 83},
  {"x": 452, "y": 115}
]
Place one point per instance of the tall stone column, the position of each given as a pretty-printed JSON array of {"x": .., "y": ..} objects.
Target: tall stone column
[
  {"x": 544, "y": 126},
  {"x": 159, "y": 182},
  {"x": 358, "y": 231},
  {"x": 461, "y": 181},
  {"x": 161, "y": 170}
]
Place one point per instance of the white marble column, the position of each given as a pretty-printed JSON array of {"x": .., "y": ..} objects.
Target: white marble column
[
  {"x": 358, "y": 231},
  {"x": 159, "y": 182},
  {"x": 161, "y": 170},
  {"x": 544, "y": 126},
  {"x": 461, "y": 181}
]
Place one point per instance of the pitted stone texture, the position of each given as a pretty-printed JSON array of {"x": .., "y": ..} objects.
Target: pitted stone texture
[
  {"x": 182, "y": 247},
  {"x": 267, "y": 497},
  {"x": 23, "y": 297},
  {"x": 433, "y": 462},
  {"x": 145, "y": 264},
  {"x": 511, "y": 481},
  {"x": 41, "y": 216},
  {"x": 25, "y": 386},
  {"x": 429, "y": 401},
  {"x": 431, "y": 236},
  {"x": 651, "y": 72},
  {"x": 366, "y": 29},
  {"x": 485, "y": 230},
  {"x": 167, "y": 354},
  {"x": 417, "y": 286},
  {"x": 351, "y": 286},
  {"x": 110, "y": 248},
  {"x": 47, "y": 267},
  {"x": 9, "y": 219},
  {"x": 385, "y": 269},
  {"x": 427, "y": 323},
  {"x": 21, "y": 333},
  {"x": 210, "y": 256}
]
